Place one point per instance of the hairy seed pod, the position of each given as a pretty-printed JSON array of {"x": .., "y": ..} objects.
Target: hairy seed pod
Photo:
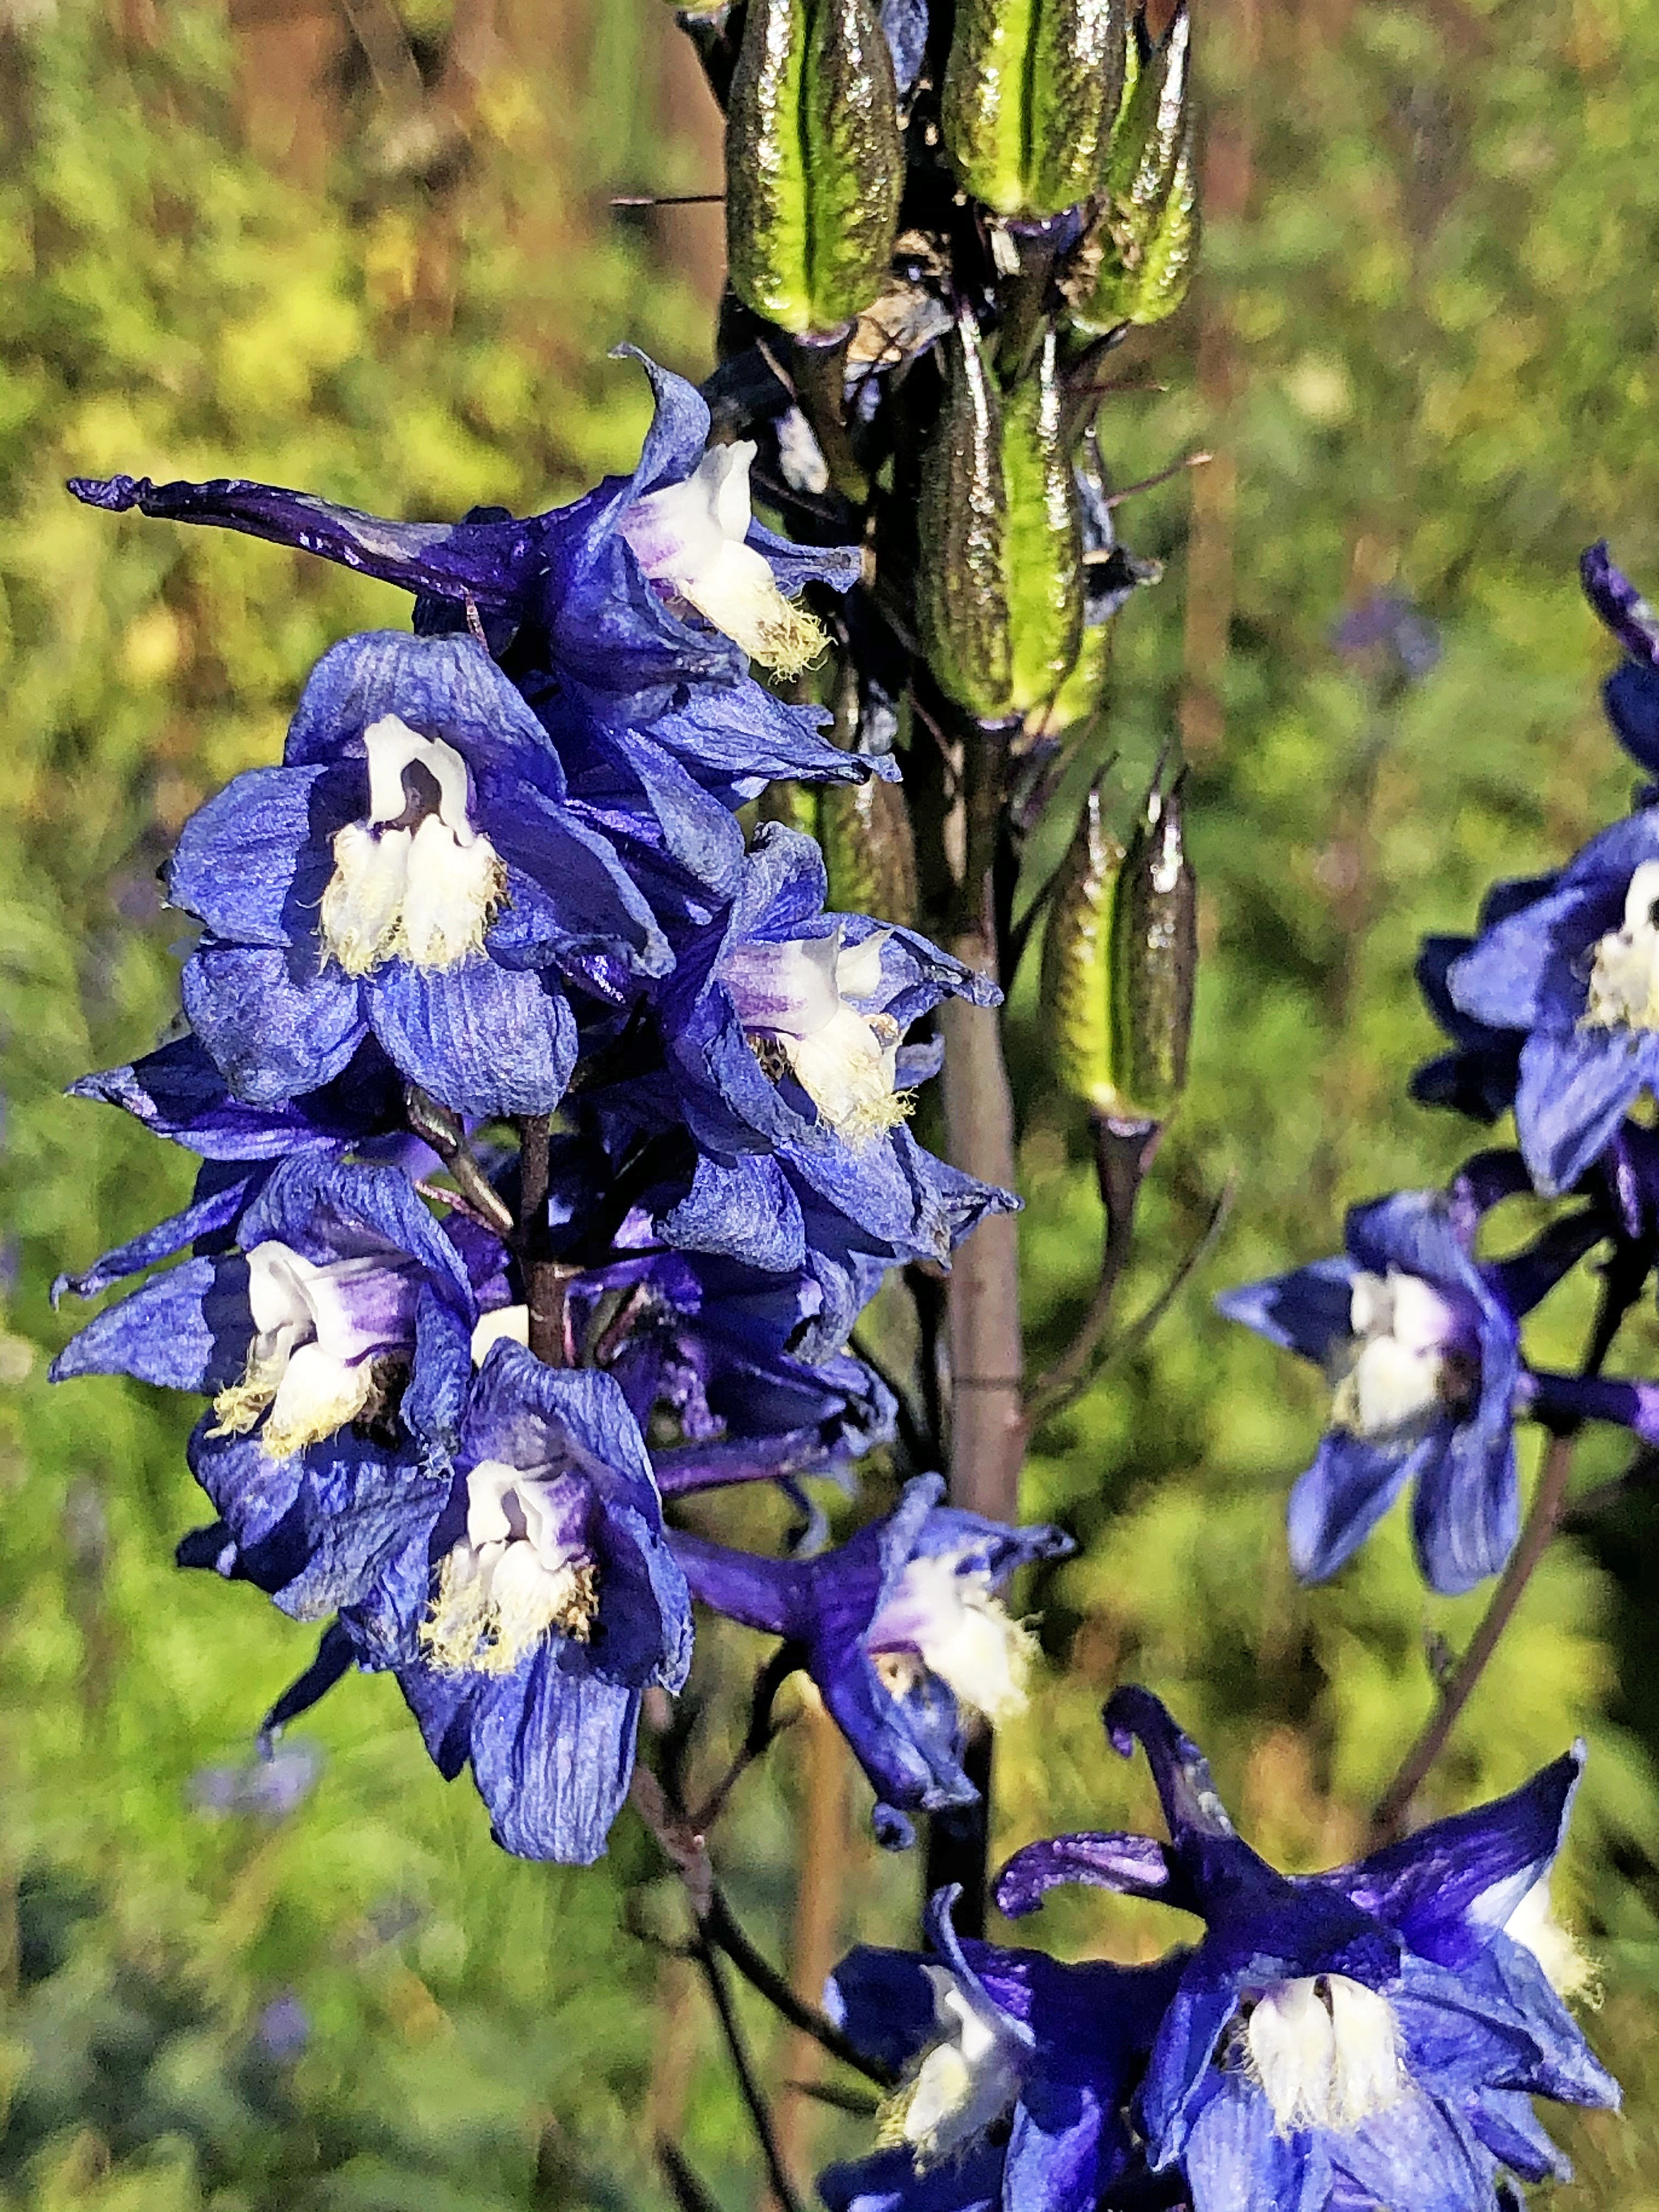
[
  {"x": 1083, "y": 691},
  {"x": 1151, "y": 150},
  {"x": 1043, "y": 547},
  {"x": 1172, "y": 254},
  {"x": 1154, "y": 962},
  {"x": 1031, "y": 90},
  {"x": 962, "y": 601},
  {"x": 1076, "y": 988},
  {"x": 814, "y": 164}
]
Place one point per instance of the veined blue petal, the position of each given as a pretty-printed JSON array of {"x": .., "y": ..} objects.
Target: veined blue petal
[
  {"x": 483, "y": 1038},
  {"x": 1351, "y": 1484},
  {"x": 186, "y": 1329},
  {"x": 1575, "y": 1089},
  {"x": 273, "y": 1032},
  {"x": 1307, "y": 1311}
]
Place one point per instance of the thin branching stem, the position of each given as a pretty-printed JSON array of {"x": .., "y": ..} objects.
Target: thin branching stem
[
  {"x": 1123, "y": 1156},
  {"x": 1388, "y": 1821},
  {"x": 760, "y": 2116}
]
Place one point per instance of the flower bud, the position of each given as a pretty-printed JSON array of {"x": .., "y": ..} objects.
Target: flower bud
[
  {"x": 1043, "y": 552},
  {"x": 1118, "y": 963},
  {"x": 1147, "y": 237},
  {"x": 814, "y": 164},
  {"x": 1031, "y": 87},
  {"x": 962, "y": 600}
]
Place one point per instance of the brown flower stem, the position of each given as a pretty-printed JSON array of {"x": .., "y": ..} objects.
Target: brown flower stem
[{"x": 546, "y": 1282}]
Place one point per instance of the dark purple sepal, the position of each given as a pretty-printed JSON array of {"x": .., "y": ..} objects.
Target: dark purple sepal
[
  {"x": 1620, "y": 604},
  {"x": 1133, "y": 1866}
]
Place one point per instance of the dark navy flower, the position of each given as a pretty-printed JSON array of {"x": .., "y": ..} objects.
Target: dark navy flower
[
  {"x": 1479, "y": 1077},
  {"x": 411, "y": 871},
  {"x": 1422, "y": 1345},
  {"x": 1574, "y": 973},
  {"x": 546, "y": 1604},
  {"x": 1630, "y": 694},
  {"x": 1365, "y": 2038},
  {"x": 896, "y": 1627},
  {"x": 701, "y": 1347},
  {"x": 1015, "y": 2073}
]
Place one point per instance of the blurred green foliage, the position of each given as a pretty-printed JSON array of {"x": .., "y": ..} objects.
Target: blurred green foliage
[{"x": 1442, "y": 331}]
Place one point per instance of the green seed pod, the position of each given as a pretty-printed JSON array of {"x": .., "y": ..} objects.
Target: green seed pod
[
  {"x": 1081, "y": 693},
  {"x": 1151, "y": 151},
  {"x": 869, "y": 851},
  {"x": 1044, "y": 543},
  {"x": 1154, "y": 962},
  {"x": 1031, "y": 87},
  {"x": 1076, "y": 987},
  {"x": 814, "y": 164},
  {"x": 962, "y": 602},
  {"x": 1172, "y": 250},
  {"x": 1119, "y": 957}
]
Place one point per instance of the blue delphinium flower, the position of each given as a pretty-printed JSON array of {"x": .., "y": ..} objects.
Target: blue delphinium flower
[
  {"x": 1574, "y": 974},
  {"x": 1422, "y": 1345},
  {"x": 547, "y": 1604},
  {"x": 341, "y": 1303},
  {"x": 783, "y": 1032},
  {"x": 600, "y": 580},
  {"x": 895, "y": 1627},
  {"x": 1015, "y": 2073},
  {"x": 625, "y": 619},
  {"x": 411, "y": 871},
  {"x": 1365, "y": 2038}
]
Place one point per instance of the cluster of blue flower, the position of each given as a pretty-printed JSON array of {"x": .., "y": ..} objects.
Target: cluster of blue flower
[
  {"x": 1552, "y": 1010},
  {"x": 498, "y": 878},
  {"x": 553, "y": 1138},
  {"x": 1368, "y": 2037}
]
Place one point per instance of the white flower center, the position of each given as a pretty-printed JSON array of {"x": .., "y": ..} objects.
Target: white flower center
[
  {"x": 689, "y": 537},
  {"x": 1399, "y": 1367},
  {"x": 1570, "y": 1970},
  {"x": 794, "y": 1001},
  {"x": 1326, "y": 2052},
  {"x": 417, "y": 881},
  {"x": 521, "y": 1573},
  {"x": 1623, "y": 984},
  {"x": 962, "y": 2084},
  {"x": 947, "y": 1620},
  {"x": 319, "y": 1330},
  {"x": 501, "y": 1325}
]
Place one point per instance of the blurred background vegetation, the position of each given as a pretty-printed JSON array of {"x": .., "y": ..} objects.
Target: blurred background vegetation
[{"x": 367, "y": 247}]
